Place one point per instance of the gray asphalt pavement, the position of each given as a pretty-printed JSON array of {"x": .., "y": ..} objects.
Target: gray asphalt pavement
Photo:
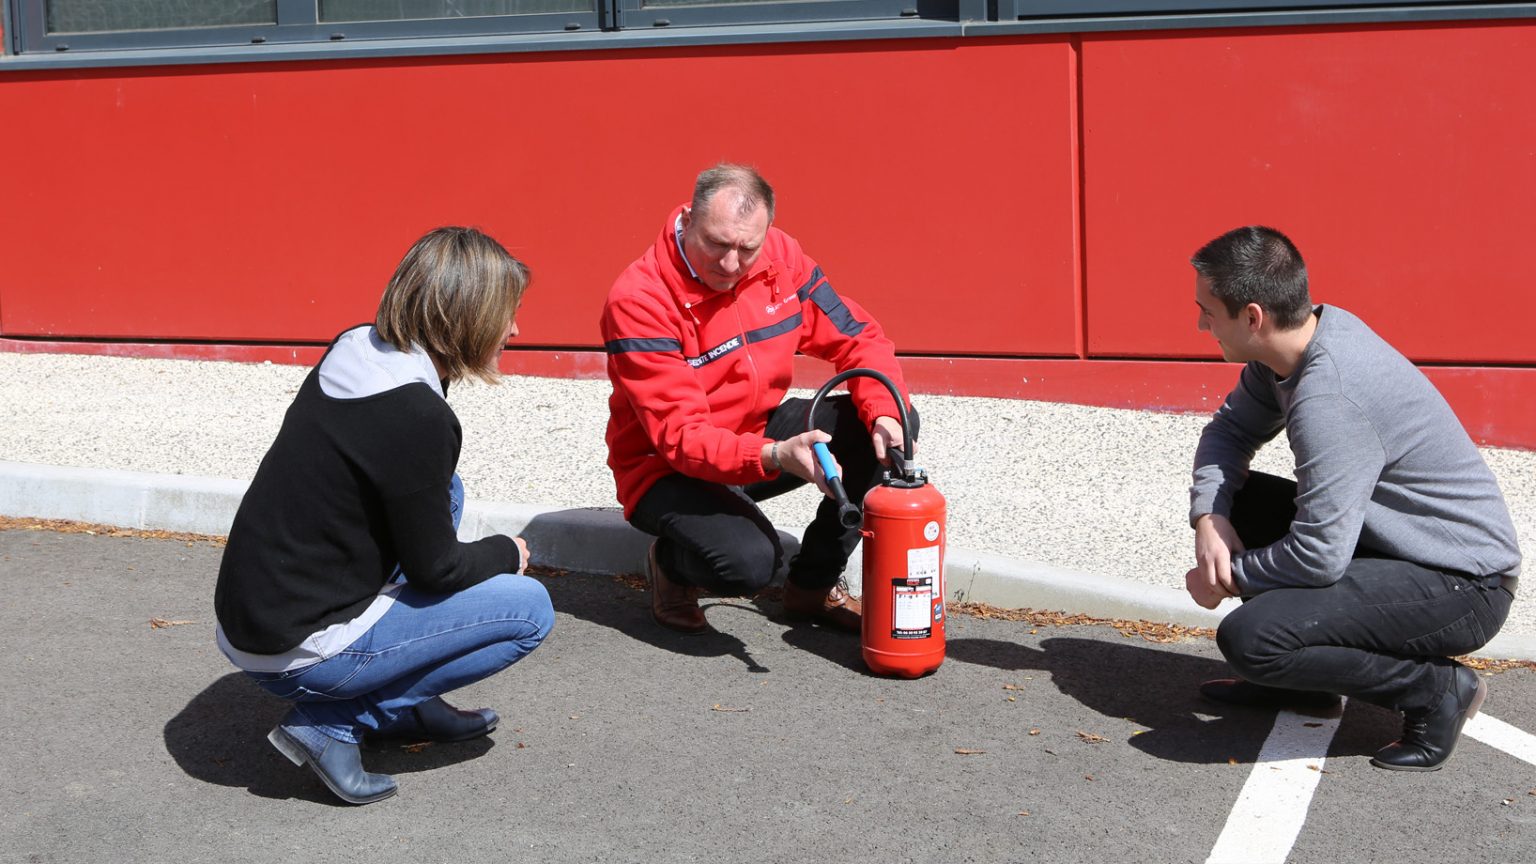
[{"x": 621, "y": 742}]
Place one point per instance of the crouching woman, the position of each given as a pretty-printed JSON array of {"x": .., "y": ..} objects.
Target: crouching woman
[{"x": 344, "y": 588}]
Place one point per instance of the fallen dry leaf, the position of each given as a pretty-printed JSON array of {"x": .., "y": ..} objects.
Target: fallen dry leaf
[
  {"x": 1091, "y": 737},
  {"x": 161, "y": 623},
  {"x": 1089, "y": 777},
  {"x": 417, "y": 748},
  {"x": 1013, "y": 698},
  {"x": 1492, "y": 667},
  {"x": 1013, "y": 686},
  {"x": 65, "y": 526},
  {"x": 1023, "y": 812},
  {"x": 630, "y": 580},
  {"x": 1231, "y": 760},
  {"x": 727, "y": 709},
  {"x": 967, "y": 751},
  {"x": 1037, "y": 732},
  {"x": 1148, "y": 630}
]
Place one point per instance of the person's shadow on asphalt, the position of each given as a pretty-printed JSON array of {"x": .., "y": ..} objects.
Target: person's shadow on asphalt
[
  {"x": 220, "y": 737},
  {"x": 618, "y": 604},
  {"x": 622, "y": 604},
  {"x": 1159, "y": 689}
]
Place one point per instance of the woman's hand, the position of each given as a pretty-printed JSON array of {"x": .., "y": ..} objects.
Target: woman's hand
[{"x": 522, "y": 554}]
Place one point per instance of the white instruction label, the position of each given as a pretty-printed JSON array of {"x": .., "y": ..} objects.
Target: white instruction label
[
  {"x": 923, "y": 563},
  {"x": 913, "y": 600}
]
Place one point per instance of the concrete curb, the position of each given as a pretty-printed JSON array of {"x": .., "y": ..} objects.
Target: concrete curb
[{"x": 594, "y": 540}]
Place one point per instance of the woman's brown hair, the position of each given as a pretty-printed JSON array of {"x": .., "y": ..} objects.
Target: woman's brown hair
[{"x": 453, "y": 295}]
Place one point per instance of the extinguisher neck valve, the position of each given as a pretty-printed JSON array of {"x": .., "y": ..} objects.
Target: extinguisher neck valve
[{"x": 911, "y": 478}]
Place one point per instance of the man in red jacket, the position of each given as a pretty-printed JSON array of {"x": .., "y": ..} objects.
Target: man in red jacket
[{"x": 701, "y": 334}]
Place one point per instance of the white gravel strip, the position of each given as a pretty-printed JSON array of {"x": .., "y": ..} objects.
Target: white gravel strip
[{"x": 1097, "y": 490}]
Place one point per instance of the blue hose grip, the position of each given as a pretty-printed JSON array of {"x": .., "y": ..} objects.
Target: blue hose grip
[{"x": 824, "y": 457}]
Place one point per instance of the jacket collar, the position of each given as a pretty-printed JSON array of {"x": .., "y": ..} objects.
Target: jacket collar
[{"x": 678, "y": 274}]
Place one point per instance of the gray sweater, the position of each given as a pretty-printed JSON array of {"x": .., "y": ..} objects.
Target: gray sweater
[{"x": 1380, "y": 459}]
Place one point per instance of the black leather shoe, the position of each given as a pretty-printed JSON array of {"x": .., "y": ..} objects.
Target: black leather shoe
[
  {"x": 1429, "y": 737},
  {"x": 1236, "y": 691},
  {"x": 436, "y": 720},
  {"x": 339, "y": 766}
]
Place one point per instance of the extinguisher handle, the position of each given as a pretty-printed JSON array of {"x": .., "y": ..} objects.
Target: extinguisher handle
[
  {"x": 847, "y": 512},
  {"x": 908, "y": 433}
]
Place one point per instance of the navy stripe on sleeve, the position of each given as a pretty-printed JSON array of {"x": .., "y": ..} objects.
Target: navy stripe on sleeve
[
  {"x": 832, "y": 306},
  {"x": 804, "y": 291},
  {"x": 624, "y": 346}
]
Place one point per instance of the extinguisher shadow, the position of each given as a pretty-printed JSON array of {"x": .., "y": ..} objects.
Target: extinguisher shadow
[
  {"x": 834, "y": 646},
  {"x": 1157, "y": 689}
]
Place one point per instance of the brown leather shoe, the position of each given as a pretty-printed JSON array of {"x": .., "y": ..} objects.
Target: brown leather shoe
[
  {"x": 830, "y": 608},
  {"x": 674, "y": 606}
]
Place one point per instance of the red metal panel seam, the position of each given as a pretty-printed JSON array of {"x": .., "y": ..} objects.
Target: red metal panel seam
[{"x": 1080, "y": 200}]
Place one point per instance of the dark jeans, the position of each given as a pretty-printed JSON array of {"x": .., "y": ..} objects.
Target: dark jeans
[
  {"x": 715, "y": 537},
  {"x": 1384, "y": 633}
]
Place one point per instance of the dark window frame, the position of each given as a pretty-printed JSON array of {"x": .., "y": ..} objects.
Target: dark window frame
[
  {"x": 648, "y": 14},
  {"x": 1025, "y": 10},
  {"x": 298, "y": 22},
  {"x": 621, "y": 24}
]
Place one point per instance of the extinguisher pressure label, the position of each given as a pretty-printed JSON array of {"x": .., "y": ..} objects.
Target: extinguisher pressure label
[
  {"x": 923, "y": 563},
  {"x": 913, "y": 600}
]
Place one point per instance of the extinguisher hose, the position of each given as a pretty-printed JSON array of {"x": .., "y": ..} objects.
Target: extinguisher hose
[{"x": 848, "y": 512}]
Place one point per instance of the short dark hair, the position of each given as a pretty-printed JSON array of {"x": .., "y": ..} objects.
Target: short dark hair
[
  {"x": 453, "y": 295},
  {"x": 754, "y": 189},
  {"x": 1259, "y": 265}
]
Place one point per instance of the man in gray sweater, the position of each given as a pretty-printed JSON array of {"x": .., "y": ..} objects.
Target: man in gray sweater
[{"x": 1393, "y": 549}]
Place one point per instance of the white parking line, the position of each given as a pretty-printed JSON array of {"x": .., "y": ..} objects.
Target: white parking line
[
  {"x": 1272, "y": 807},
  {"x": 1500, "y": 735}
]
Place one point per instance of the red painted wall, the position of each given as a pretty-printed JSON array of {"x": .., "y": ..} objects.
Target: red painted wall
[
  {"x": 1019, "y": 211},
  {"x": 270, "y": 202},
  {"x": 1398, "y": 159}
]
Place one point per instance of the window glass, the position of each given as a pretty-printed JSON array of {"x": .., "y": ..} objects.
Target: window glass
[
  {"x": 416, "y": 10},
  {"x": 651, "y": 3},
  {"x": 94, "y": 16}
]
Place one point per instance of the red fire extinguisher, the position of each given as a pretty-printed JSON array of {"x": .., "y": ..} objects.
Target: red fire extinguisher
[{"x": 904, "y": 539}]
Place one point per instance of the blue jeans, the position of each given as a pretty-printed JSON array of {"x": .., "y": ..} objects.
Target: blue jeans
[{"x": 424, "y": 646}]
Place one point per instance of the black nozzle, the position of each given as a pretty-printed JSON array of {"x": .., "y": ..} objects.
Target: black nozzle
[{"x": 847, "y": 512}]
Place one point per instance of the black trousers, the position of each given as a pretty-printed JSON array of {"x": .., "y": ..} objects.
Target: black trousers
[
  {"x": 714, "y": 536},
  {"x": 1384, "y": 633}
]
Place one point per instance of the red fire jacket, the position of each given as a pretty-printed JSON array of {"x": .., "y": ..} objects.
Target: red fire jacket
[{"x": 696, "y": 372}]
